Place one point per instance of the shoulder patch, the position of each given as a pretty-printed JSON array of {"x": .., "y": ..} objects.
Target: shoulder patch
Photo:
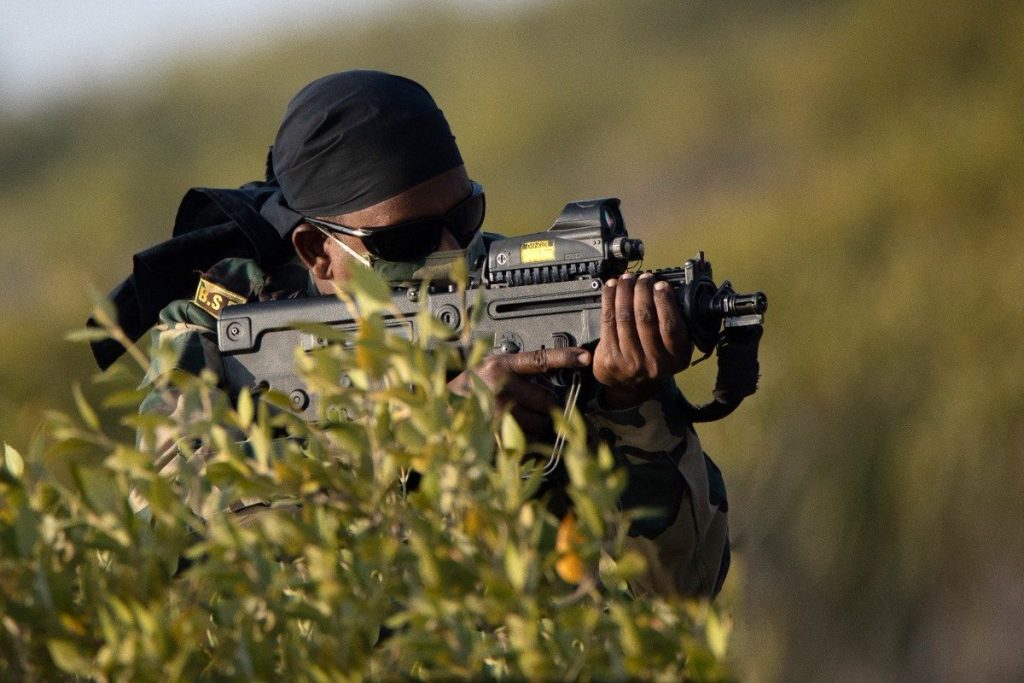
[{"x": 213, "y": 298}]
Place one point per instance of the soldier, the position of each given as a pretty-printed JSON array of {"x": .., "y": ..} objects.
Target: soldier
[{"x": 365, "y": 169}]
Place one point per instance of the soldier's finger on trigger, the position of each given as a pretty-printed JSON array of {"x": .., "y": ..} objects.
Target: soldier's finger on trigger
[
  {"x": 545, "y": 360},
  {"x": 648, "y": 319}
]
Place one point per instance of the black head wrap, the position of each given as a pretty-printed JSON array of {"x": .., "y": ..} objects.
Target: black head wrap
[{"x": 355, "y": 138}]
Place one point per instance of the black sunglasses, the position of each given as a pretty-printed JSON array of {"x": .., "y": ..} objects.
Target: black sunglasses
[{"x": 416, "y": 239}]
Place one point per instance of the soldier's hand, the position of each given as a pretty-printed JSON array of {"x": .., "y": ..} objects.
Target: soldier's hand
[
  {"x": 519, "y": 380},
  {"x": 644, "y": 340}
]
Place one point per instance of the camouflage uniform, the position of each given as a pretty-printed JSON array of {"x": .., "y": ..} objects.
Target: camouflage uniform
[{"x": 685, "y": 545}]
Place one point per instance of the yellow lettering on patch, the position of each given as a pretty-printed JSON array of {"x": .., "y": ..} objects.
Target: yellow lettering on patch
[
  {"x": 213, "y": 298},
  {"x": 536, "y": 251}
]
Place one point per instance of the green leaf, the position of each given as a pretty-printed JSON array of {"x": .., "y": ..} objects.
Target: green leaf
[
  {"x": 149, "y": 421},
  {"x": 13, "y": 461},
  {"x": 71, "y": 445},
  {"x": 630, "y": 566},
  {"x": 125, "y": 459},
  {"x": 512, "y": 437},
  {"x": 102, "y": 307},
  {"x": 245, "y": 408},
  {"x": 516, "y": 567},
  {"x": 224, "y": 471},
  {"x": 125, "y": 398},
  {"x": 261, "y": 445},
  {"x": 87, "y": 334},
  {"x": 84, "y": 409},
  {"x": 580, "y": 468},
  {"x": 589, "y": 514},
  {"x": 371, "y": 291},
  {"x": 459, "y": 272},
  {"x": 69, "y": 657},
  {"x": 718, "y": 629}
]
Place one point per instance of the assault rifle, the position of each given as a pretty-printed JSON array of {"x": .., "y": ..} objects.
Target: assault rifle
[{"x": 537, "y": 290}]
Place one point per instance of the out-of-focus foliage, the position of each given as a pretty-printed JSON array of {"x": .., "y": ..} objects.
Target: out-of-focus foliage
[
  {"x": 859, "y": 160},
  {"x": 347, "y": 575}
]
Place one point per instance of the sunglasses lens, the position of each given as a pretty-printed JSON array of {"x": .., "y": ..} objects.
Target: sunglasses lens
[
  {"x": 467, "y": 219},
  {"x": 406, "y": 242}
]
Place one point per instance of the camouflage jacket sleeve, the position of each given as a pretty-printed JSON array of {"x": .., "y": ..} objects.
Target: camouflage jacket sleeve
[
  {"x": 686, "y": 542},
  {"x": 186, "y": 334},
  {"x": 185, "y": 338}
]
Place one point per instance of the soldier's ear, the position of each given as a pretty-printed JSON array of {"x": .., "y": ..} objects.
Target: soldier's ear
[{"x": 311, "y": 246}]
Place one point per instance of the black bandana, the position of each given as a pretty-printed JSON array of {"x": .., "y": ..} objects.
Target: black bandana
[{"x": 353, "y": 139}]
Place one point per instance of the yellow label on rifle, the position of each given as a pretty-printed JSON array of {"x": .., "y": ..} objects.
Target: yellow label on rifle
[
  {"x": 213, "y": 298},
  {"x": 537, "y": 251}
]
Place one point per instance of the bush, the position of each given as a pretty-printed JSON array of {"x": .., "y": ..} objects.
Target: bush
[{"x": 348, "y": 575}]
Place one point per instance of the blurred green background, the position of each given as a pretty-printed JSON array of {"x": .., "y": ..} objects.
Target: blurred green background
[{"x": 860, "y": 160}]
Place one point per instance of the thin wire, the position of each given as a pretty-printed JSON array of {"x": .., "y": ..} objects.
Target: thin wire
[{"x": 570, "y": 408}]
